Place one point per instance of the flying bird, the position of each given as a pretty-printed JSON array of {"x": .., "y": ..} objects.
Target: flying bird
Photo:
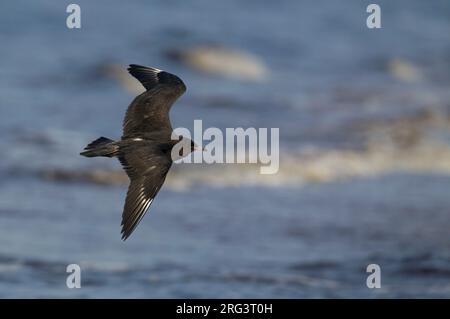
[{"x": 145, "y": 149}]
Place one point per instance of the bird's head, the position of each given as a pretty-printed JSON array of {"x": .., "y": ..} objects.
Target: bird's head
[
  {"x": 184, "y": 146},
  {"x": 193, "y": 146}
]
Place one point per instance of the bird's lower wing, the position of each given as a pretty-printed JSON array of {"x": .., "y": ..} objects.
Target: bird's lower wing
[
  {"x": 139, "y": 198},
  {"x": 147, "y": 176}
]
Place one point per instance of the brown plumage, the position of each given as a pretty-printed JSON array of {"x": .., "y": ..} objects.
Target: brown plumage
[{"x": 145, "y": 147}]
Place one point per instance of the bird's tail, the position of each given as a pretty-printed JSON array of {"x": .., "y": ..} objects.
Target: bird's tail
[{"x": 101, "y": 147}]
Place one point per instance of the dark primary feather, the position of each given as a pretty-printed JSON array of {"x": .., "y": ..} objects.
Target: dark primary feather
[
  {"x": 149, "y": 111},
  {"x": 146, "y": 75},
  {"x": 147, "y": 165}
]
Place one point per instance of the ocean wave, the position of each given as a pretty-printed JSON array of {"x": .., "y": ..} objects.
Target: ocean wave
[
  {"x": 415, "y": 144},
  {"x": 222, "y": 61},
  {"x": 310, "y": 166}
]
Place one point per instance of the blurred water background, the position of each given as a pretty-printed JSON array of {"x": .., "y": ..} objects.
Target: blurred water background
[{"x": 364, "y": 118}]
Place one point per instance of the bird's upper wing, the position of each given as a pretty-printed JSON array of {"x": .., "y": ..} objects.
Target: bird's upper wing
[
  {"x": 147, "y": 168},
  {"x": 149, "y": 111}
]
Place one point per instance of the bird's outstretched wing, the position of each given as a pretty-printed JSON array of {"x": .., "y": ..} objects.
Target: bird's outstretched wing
[
  {"x": 149, "y": 112},
  {"x": 147, "y": 167}
]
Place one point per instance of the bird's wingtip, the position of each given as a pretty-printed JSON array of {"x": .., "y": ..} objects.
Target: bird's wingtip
[
  {"x": 148, "y": 76},
  {"x": 133, "y": 67},
  {"x": 124, "y": 236}
]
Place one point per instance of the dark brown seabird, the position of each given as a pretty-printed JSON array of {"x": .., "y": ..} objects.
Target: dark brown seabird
[{"x": 146, "y": 144}]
